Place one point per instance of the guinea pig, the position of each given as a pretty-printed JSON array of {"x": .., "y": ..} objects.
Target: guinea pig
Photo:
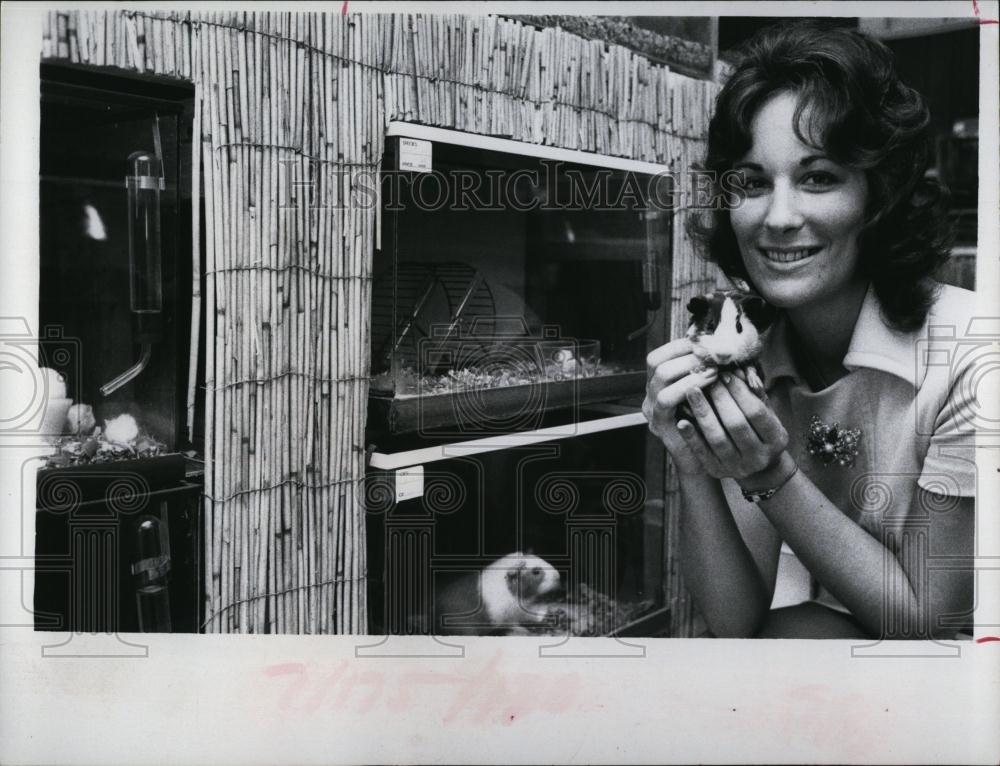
[
  {"x": 507, "y": 595},
  {"x": 55, "y": 383},
  {"x": 80, "y": 419},
  {"x": 725, "y": 332}
]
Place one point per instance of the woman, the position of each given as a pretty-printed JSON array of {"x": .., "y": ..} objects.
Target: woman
[{"x": 836, "y": 229}]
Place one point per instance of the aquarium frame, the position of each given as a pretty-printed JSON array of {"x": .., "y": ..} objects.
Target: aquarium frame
[
  {"x": 524, "y": 148},
  {"x": 420, "y": 456},
  {"x": 392, "y": 460}
]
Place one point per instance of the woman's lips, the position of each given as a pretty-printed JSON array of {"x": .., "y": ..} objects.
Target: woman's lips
[{"x": 788, "y": 254}]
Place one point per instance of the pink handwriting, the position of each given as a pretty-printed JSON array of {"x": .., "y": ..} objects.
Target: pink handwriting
[
  {"x": 975, "y": 10},
  {"x": 480, "y": 691}
]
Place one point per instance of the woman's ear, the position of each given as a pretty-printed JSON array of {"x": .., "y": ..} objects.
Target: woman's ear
[
  {"x": 698, "y": 306},
  {"x": 760, "y": 312}
]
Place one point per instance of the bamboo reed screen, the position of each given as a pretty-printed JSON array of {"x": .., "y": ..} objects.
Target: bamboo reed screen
[{"x": 281, "y": 98}]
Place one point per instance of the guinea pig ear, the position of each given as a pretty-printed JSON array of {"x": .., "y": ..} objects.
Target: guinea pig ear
[
  {"x": 760, "y": 312},
  {"x": 698, "y": 306}
]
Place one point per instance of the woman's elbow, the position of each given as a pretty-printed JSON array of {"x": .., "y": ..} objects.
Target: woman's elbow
[{"x": 737, "y": 623}]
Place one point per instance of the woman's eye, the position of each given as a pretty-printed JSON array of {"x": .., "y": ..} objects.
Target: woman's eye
[
  {"x": 819, "y": 180},
  {"x": 753, "y": 185}
]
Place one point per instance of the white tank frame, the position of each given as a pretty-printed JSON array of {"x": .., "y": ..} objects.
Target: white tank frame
[{"x": 410, "y": 458}]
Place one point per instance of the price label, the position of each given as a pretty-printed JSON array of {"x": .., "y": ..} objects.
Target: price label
[
  {"x": 409, "y": 483},
  {"x": 415, "y": 155}
]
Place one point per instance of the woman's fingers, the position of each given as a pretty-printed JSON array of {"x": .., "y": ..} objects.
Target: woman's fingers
[
  {"x": 713, "y": 431},
  {"x": 729, "y": 431},
  {"x": 697, "y": 447},
  {"x": 670, "y": 396},
  {"x": 734, "y": 420},
  {"x": 765, "y": 423},
  {"x": 666, "y": 352},
  {"x": 672, "y": 370},
  {"x": 669, "y": 381}
]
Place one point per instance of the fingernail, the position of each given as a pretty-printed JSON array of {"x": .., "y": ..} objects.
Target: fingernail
[
  {"x": 694, "y": 396},
  {"x": 684, "y": 427},
  {"x": 727, "y": 378}
]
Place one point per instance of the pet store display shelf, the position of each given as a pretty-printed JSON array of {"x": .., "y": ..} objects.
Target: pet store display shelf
[
  {"x": 520, "y": 148},
  {"x": 77, "y": 485},
  {"x": 409, "y": 414},
  {"x": 395, "y": 460}
]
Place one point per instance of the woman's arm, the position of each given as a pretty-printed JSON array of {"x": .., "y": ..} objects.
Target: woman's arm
[
  {"x": 884, "y": 590},
  {"x": 731, "y": 583},
  {"x": 729, "y": 568},
  {"x": 879, "y": 586}
]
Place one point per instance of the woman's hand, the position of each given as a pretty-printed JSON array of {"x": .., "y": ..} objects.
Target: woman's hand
[
  {"x": 738, "y": 435},
  {"x": 671, "y": 375}
]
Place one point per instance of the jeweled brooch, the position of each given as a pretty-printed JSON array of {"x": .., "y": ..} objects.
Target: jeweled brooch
[{"x": 833, "y": 444}]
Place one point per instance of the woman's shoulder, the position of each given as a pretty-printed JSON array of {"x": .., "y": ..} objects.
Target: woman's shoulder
[
  {"x": 953, "y": 306},
  {"x": 952, "y": 342}
]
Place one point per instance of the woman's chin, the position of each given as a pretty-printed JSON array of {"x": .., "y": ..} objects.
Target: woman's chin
[
  {"x": 809, "y": 288},
  {"x": 785, "y": 293}
]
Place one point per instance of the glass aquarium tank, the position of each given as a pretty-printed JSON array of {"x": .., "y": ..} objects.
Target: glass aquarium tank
[
  {"x": 116, "y": 523},
  {"x": 115, "y": 257},
  {"x": 517, "y": 290},
  {"x": 508, "y": 286}
]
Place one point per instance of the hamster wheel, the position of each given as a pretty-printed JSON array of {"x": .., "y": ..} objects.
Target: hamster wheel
[{"x": 439, "y": 300}]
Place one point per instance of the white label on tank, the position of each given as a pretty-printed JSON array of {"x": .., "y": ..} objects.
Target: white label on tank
[
  {"x": 415, "y": 155},
  {"x": 409, "y": 483}
]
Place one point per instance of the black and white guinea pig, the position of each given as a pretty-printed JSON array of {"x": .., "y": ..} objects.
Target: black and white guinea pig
[
  {"x": 504, "y": 598},
  {"x": 726, "y": 329}
]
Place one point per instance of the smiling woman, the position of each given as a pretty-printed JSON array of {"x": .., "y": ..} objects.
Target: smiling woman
[
  {"x": 859, "y": 459},
  {"x": 799, "y": 222}
]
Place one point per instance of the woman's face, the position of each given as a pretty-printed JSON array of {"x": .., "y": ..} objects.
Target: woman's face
[{"x": 798, "y": 226}]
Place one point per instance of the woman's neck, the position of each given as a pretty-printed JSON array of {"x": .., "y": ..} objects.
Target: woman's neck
[{"x": 824, "y": 332}]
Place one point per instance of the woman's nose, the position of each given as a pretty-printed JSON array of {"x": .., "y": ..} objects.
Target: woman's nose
[{"x": 783, "y": 213}]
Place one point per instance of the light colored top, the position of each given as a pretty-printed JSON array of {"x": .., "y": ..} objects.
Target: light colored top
[{"x": 912, "y": 395}]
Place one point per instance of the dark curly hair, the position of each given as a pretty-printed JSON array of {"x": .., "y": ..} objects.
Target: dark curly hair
[{"x": 865, "y": 118}]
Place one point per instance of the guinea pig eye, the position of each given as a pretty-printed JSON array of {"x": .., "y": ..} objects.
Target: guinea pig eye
[
  {"x": 739, "y": 326},
  {"x": 536, "y": 571}
]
